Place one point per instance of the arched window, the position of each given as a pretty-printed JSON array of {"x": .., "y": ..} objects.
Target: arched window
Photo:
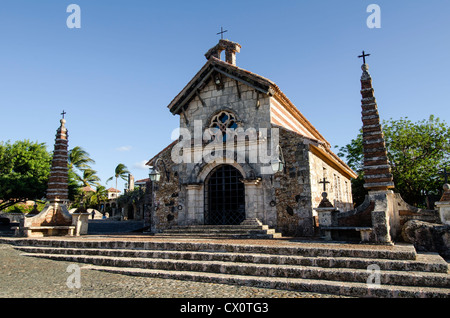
[{"x": 224, "y": 120}]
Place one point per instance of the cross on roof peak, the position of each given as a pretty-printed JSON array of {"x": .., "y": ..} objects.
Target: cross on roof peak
[
  {"x": 63, "y": 113},
  {"x": 222, "y": 32}
]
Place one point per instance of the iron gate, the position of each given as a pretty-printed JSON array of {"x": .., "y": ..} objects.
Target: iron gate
[{"x": 224, "y": 197}]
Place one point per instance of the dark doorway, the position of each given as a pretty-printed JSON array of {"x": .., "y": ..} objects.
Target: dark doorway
[{"x": 224, "y": 197}]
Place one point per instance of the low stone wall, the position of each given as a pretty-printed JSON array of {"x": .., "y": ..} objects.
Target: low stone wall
[
  {"x": 408, "y": 212},
  {"x": 428, "y": 237},
  {"x": 13, "y": 217}
]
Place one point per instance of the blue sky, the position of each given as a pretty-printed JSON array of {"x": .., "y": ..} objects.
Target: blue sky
[{"x": 116, "y": 75}]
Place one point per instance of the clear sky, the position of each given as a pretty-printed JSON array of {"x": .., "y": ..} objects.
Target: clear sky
[{"x": 116, "y": 74}]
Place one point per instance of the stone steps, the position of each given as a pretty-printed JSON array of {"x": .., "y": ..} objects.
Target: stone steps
[
  {"x": 424, "y": 262},
  {"x": 324, "y": 268},
  {"x": 249, "y": 230},
  {"x": 397, "y": 252},
  {"x": 292, "y": 284}
]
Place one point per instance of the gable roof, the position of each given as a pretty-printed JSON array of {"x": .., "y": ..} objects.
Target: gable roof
[
  {"x": 257, "y": 82},
  {"x": 203, "y": 76}
]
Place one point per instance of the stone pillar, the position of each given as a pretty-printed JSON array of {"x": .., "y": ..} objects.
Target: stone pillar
[
  {"x": 381, "y": 215},
  {"x": 194, "y": 205},
  {"x": 378, "y": 179},
  {"x": 57, "y": 188},
  {"x": 55, "y": 212},
  {"x": 253, "y": 199},
  {"x": 377, "y": 172},
  {"x": 80, "y": 221},
  {"x": 326, "y": 214}
]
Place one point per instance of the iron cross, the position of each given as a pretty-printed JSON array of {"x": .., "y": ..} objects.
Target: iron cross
[
  {"x": 63, "y": 113},
  {"x": 222, "y": 32},
  {"x": 363, "y": 56},
  {"x": 324, "y": 181}
]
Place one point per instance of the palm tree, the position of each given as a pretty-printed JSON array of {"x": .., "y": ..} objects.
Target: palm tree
[
  {"x": 100, "y": 195},
  {"x": 79, "y": 158},
  {"x": 89, "y": 177},
  {"x": 80, "y": 170},
  {"x": 121, "y": 171}
]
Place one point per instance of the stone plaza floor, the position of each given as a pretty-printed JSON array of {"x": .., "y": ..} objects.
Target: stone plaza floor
[{"x": 29, "y": 277}]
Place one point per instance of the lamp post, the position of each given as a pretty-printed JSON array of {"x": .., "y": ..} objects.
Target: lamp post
[{"x": 154, "y": 176}]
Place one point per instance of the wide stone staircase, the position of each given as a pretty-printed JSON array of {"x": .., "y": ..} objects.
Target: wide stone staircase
[
  {"x": 344, "y": 269},
  {"x": 249, "y": 229}
]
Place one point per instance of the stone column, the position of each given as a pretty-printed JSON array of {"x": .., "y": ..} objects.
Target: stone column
[
  {"x": 57, "y": 190},
  {"x": 326, "y": 214},
  {"x": 381, "y": 216},
  {"x": 378, "y": 179},
  {"x": 194, "y": 204},
  {"x": 80, "y": 221},
  {"x": 377, "y": 172},
  {"x": 253, "y": 199}
]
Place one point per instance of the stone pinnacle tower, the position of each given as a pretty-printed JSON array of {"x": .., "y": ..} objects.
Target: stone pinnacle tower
[
  {"x": 57, "y": 189},
  {"x": 377, "y": 171},
  {"x": 54, "y": 219}
]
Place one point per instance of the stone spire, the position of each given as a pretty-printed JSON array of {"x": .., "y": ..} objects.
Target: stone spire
[
  {"x": 377, "y": 171},
  {"x": 57, "y": 189}
]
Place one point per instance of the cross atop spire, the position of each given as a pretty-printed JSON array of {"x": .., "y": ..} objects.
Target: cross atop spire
[
  {"x": 363, "y": 56},
  {"x": 63, "y": 113}
]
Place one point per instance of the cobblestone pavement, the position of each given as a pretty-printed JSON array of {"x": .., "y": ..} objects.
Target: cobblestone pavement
[{"x": 29, "y": 277}]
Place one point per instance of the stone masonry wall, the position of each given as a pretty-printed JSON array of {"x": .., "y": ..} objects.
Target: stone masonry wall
[
  {"x": 245, "y": 108},
  {"x": 167, "y": 195},
  {"x": 339, "y": 189},
  {"x": 292, "y": 187}
]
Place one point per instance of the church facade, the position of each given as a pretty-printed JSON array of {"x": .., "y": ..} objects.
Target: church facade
[{"x": 244, "y": 152}]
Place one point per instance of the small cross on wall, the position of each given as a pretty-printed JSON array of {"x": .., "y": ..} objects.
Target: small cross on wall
[{"x": 324, "y": 181}]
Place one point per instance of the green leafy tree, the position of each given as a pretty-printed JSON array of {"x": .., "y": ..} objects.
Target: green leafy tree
[
  {"x": 417, "y": 153},
  {"x": 121, "y": 171},
  {"x": 24, "y": 172}
]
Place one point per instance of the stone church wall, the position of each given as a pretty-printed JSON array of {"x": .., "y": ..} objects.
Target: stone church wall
[
  {"x": 169, "y": 199},
  {"x": 339, "y": 189},
  {"x": 284, "y": 200},
  {"x": 293, "y": 188},
  {"x": 251, "y": 109},
  {"x": 298, "y": 190}
]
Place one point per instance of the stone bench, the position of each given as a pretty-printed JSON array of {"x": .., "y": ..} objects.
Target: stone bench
[
  {"x": 364, "y": 231},
  {"x": 33, "y": 231}
]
